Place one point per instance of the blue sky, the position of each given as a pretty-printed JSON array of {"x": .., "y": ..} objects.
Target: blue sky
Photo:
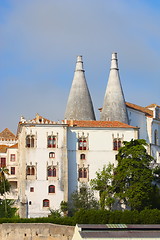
[{"x": 40, "y": 40}]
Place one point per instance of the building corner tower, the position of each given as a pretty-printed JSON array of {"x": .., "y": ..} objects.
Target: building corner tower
[
  {"x": 79, "y": 105},
  {"x": 114, "y": 107}
]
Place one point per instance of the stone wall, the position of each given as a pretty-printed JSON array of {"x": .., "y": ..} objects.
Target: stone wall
[{"x": 35, "y": 231}]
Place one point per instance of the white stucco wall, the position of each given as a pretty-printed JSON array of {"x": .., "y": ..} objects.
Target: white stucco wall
[
  {"x": 100, "y": 150},
  {"x": 138, "y": 119},
  {"x": 39, "y": 157}
]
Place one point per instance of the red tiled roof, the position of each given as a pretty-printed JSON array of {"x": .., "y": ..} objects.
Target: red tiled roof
[
  {"x": 7, "y": 134},
  {"x": 3, "y": 148},
  {"x": 98, "y": 124},
  {"x": 145, "y": 110},
  {"x": 14, "y": 146},
  {"x": 152, "y": 105}
]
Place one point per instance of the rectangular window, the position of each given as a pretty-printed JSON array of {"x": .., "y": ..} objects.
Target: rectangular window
[
  {"x": 82, "y": 144},
  {"x": 13, "y": 171},
  {"x": 3, "y": 162},
  {"x": 12, "y": 157},
  {"x": 31, "y": 189},
  {"x": 51, "y": 142}
]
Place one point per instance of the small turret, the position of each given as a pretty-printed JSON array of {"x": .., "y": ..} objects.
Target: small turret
[
  {"x": 114, "y": 107},
  {"x": 79, "y": 105}
]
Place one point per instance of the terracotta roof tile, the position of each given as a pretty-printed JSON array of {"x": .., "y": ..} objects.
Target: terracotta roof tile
[
  {"x": 3, "y": 148},
  {"x": 145, "y": 110},
  {"x": 14, "y": 146},
  {"x": 152, "y": 105},
  {"x": 7, "y": 134},
  {"x": 99, "y": 124}
]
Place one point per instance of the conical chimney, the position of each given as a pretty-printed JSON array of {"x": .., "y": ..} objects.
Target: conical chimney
[
  {"x": 79, "y": 105},
  {"x": 114, "y": 107}
]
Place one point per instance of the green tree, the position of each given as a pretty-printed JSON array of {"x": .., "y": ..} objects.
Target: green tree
[
  {"x": 83, "y": 199},
  {"x": 133, "y": 176},
  {"x": 64, "y": 207},
  {"x": 103, "y": 183},
  {"x": 4, "y": 185},
  {"x": 6, "y": 208}
]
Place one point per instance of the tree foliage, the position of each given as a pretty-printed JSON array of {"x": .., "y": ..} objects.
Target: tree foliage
[
  {"x": 84, "y": 199},
  {"x": 6, "y": 208},
  {"x": 133, "y": 176},
  {"x": 4, "y": 184},
  {"x": 103, "y": 183}
]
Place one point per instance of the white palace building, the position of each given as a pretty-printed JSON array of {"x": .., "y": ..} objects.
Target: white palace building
[{"x": 47, "y": 160}]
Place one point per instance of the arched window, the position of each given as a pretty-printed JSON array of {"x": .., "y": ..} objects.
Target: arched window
[
  {"x": 117, "y": 143},
  {"x": 30, "y": 141},
  {"x": 51, "y": 172},
  {"x": 51, "y": 189},
  {"x": 82, "y": 156},
  {"x": 115, "y": 147},
  {"x": 51, "y": 155},
  {"x": 85, "y": 173},
  {"x": 45, "y": 203},
  {"x": 156, "y": 137},
  {"x": 30, "y": 170},
  {"x": 80, "y": 173},
  {"x": 54, "y": 172}
]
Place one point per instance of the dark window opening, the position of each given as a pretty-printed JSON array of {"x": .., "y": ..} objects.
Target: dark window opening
[
  {"x": 45, "y": 203},
  {"x": 51, "y": 142},
  {"x": 82, "y": 144},
  {"x": 51, "y": 189}
]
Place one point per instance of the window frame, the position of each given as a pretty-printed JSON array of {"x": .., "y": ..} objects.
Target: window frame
[
  {"x": 117, "y": 144},
  {"x": 30, "y": 170},
  {"x": 30, "y": 141},
  {"x": 52, "y": 171},
  {"x": 51, "y": 141},
  {"x": 46, "y": 203},
  {"x": 12, "y": 157},
  {"x": 82, "y": 143},
  {"x": 51, "y": 154},
  {"x": 51, "y": 189},
  {"x": 2, "y": 162},
  {"x": 83, "y": 173},
  {"x": 31, "y": 189},
  {"x": 83, "y": 156},
  {"x": 13, "y": 170}
]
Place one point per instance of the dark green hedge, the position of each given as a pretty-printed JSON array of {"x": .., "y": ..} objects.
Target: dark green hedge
[
  {"x": 61, "y": 221},
  {"x": 96, "y": 217},
  {"x": 127, "y": 217}
]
